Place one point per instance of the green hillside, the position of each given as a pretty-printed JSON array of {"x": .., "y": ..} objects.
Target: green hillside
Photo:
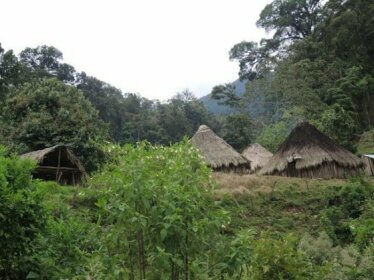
[{"x": 216, "y": 107}]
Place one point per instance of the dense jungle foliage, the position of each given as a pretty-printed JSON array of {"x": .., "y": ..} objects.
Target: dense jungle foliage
[
  {"x": 316, "y": 66},
  {"x": 44, "y": 102}
]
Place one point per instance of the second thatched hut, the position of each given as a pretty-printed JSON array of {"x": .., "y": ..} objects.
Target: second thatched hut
[
  {"x": 309, "y": 153},
  {"x": 217, "y": 153},
  {"x": 257, "y": 155}
]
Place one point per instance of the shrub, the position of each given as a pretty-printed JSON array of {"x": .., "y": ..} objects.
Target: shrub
[
  {"x": 157, "y": 212},
  {"x": 278, "y": 258},
  {"x": 21, "y": 217},
  {"x": 320, "y": 250}
]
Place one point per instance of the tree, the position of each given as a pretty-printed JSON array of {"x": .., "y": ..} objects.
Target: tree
[
  {"x": 238, "y": 131},
  {"x": 12, "y": 72},
  {"x": 46, "y": 113},
  {"x": 340, "y": 125},
  {"x": 309, "y": 66},
  {"x": 108, "y": 100},
  {"x": 226, "y": 93},
  {"x": 291, "y": 20},
  {"x": 45, "y": 61}
]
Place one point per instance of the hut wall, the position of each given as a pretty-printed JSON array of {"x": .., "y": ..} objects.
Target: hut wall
[
  {"x": 369, "y": 165},
  {"x": 324, "y": 171},
  {"x": 240, "y": 169}
]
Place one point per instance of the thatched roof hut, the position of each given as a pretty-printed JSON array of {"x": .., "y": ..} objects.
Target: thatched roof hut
[
  {"x": 257, "y": 155},
  {"x": 309, "y": 153},
  {"x": 368, "y": 161},
  {"x": 217, "y": 153},
  {"x": 58, "y": 163}
]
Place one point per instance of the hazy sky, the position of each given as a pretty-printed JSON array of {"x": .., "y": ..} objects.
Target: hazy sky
[{"x": 155, "y": 47}]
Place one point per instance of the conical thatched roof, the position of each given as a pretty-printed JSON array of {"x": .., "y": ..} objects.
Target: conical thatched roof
[
  {"x": 257, "y": 155},
  {"x": 216, "y": 152},
  {"x": 306, "y": 148}
]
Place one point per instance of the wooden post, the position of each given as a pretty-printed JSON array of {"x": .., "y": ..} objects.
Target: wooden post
[{"x": 58, "y": 164}]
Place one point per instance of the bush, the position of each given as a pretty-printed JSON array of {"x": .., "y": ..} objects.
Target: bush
[
  {"x": 65, "y": 248},
  {"x": 278, "y": 258},
  {"x": 345, "y": 204},
  {"x": 157, "y": 211},
  {"x": 21, "y": 217}
]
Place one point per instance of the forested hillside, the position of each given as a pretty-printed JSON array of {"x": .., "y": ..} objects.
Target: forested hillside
[
  {"x": 220, "y": 108},
  {"x": 316, "y": 66}
]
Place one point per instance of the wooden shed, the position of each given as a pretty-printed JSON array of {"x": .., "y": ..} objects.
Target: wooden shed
[{"x": 58, "y": 163}]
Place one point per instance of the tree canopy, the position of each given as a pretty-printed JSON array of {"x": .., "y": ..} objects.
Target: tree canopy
[{"x": 318, "y": 61}]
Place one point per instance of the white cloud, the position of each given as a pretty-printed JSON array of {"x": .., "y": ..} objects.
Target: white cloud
[{"x": 155, "y": 48}]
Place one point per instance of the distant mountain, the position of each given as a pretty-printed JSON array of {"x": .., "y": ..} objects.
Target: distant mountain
[{"x": 213, "y": 105}]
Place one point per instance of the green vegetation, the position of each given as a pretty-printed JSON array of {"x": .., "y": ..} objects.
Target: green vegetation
[
  {"x": 309, "y": 70},
  {"x": 21, "y": 217},
  {"x": 366, "y": 143},
  {"x": 48, "y": 112},
  {"x": 156, "y": 212},
  {"x": 74, "y": 108}
]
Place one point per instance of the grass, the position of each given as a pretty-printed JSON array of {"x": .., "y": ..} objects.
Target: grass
[
  {"x": 241, "y": 185},
  {"x": 63, "y": 201},
  {"x": 270, "y": 203},
  {"x": 366, "y": 143},
  {"x": 275, "y": 204}
]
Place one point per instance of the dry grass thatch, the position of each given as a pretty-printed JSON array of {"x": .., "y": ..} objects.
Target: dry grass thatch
[
  {"x": 39, "y": 155},
  {"x": 257, "y": 155},
  {"x": 307, "y": 152},
  {"x": 216, "y": 152},
  {"x": 58, "y": 158}
]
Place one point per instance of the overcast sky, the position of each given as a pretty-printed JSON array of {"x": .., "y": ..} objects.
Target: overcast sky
[{"x": 154, "y": 48}]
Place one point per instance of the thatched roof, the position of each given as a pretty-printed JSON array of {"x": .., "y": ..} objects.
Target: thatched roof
[
  {"x": 39, "y": 156},
  {"x": 257, "y": 155},
  {"x": 307, "y": 147},
  {"x": 216, "y": 152}
]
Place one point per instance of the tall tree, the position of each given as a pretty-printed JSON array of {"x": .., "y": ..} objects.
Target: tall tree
[
  {"x": 45, "y": 61},
  {"x": 290, "y": 20},
  {"x": 47, "y": 113},
  {"x": 12, "y": 72},
  {"x": 107, "y": 99}
]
